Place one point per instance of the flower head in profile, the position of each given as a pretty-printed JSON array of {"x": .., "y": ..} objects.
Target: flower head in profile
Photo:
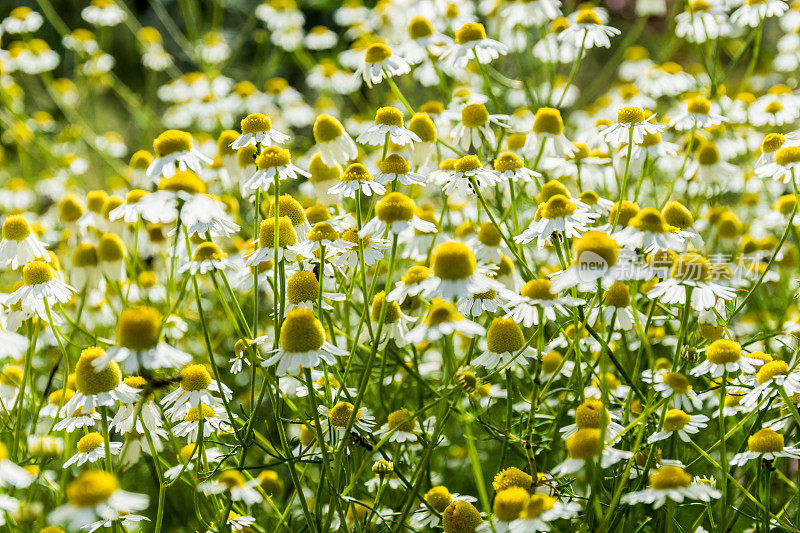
[
  {"x": 380, "y": 63},
  {"x": 472, "y": 45},
  {"x": 175, "y": 151},
  {"x": 257, "y": 130}
]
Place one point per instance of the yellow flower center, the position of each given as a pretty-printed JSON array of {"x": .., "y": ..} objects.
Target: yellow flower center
[
  {"x": 389, "y": 116},
  {"x": 460, "y": 517},
  {"x": 471, "y": 31},
  {"x": 90, "y": 442},
  {"x": 691, "y": 267},
  {"x": 772, "y": 369},
  {"x": 301, "y": 332},
  {"x": 538, "y": 289},
  {"x": 596, "y": 244},
  {"x": 649, "y": 220},
  {"x": 474, "y": 115},
  {"x": 508, "y": 504},
  {"x": 708, "y": 154},
  {"x": 420, "y": 27},
  {"x": 677, "y": 382},
  {"x": 402, "y": 420},
  {"x": 772, "y": 142},
  {"x": 322, "y": 231},
  {"x": 286, "y": 233},
  {"x": 788, "y": 155},
  {"x": 670, "y": 477},
  {"x": 439, "y": 498},
  {"x": 551, "y": 361},
  {"x": 675, "y": 419},
  {"x": 618, "y": 295},
  {"x": 172, "y": 141},
  {"x": 302, "y": 286},
  {"x": 723, "y": 351},
  {"x": 193, "y": 414},
  {"x": 698, "y": 105},
  {"x": 36, "y": 272},
  {"x": 207, "y": 251},
  {"x": 765, "y": 441},
  {"x": 340, "y": 414},
  {"x": 537, "y": 504},
  {"x": 89, "y": 381},
  {"x": 377, "y": 53},
  {"x": 69, "y": 209},
  {"x": 415, "y": 275},
  {"x": 16, "y": 228},
  {"x": 273, "y": 157},
  {"x": 591, "y": 414},
  {"x": 453, "y": 261},
  {"x": 630, "y": 115},
  {"x": 587, "y": 16},
  {"x": 288, "y": 207},
  {"x": 194, "y": 378},
  {"x": 392, "y": 309},
  {"x": 675, "y": 214},
  {"x": 511, "y": 477},
  {"x": 138, "y": 328},
  {"x": 558, "y": 206},
  {"x": 548, "y": 120},
  {"x": 423, "y": 126},
  {"x": 584, "y": 444},
  {"x": 441, "y": 312},
  {"x": 395, "y": 207},
  {"x": 356, "y": 172},
  {"x": 255, "y": 123},
  {"x": 504, "y": 336},
  {"x": 91, "y": 488}
]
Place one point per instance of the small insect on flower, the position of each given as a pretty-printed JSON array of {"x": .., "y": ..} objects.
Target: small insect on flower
[{"x": 257, "y": 130}]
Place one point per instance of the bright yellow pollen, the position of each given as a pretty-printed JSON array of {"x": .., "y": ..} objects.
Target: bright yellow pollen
[
  {"x": 377, "y": 53},
  {"x": 765, "y": 441},
  {"x": 288, "y": 207},
  {"x": 723, "y": 351},
  {"x": 630, "y": 115},
  {"x": 772, "y": 142},
  {"x": 551, "y": 361},
  {"x": 322, "y": 231},
  {"x": 691, "y": 267},
  {"x": 287, "y": 236},
  {"x": 356, "y": 172},
  {"x": 677, "y": 382},
  {"x": 273, "y": 157},
  {"x": 538, "y": 289},
  {"x": 676, "y": 214},
  {"x": 698, "y": 105},
  {"x": 16, "y": 228},
  {"x": 557, "y": 207},
  {"x": 461, "y": 517},
  {"x": 508, "y": 504},
  {"x": 438, "y": 498},
  {"x": 587, "y": 16},
  {"x": 256, "y": 123},
  {"x": 441, "y": 312},
  {"x": 469, "y": 32},
  {"x": 402, "y": 420},
  {"x": 537, "y": 504},
  {"x": 194, "y": 378},
  {"x": 340, "y": 414},
  {"x": 591, "y": 414},
  {"x": 302, "y": 286},
  {"x": 395, "y": 207},
  {"x": 787, "y": 155},
  {"x": 584, "y": 444},
  {"x": 419, "y": 28},
  {"x": 675, "y": 419},
  {"x": 193, "y": 414},
  {"x": 90, "y": 442},
  {"x": 389, "y": 116},
  {"x": 770, "y": 370},
  {"x": 36, "y": 272},
  {"x": 594, "y": 245},
  {"x": 89, "y": 381},
  {"x": 415, "y": 275},
  {"x": 172, "y": 141},
  {"x": 670, "y": 477}
]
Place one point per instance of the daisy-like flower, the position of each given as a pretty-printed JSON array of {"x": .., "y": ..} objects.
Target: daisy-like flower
[
  {"x": 156, "y": 209},
  {"x": 752, "y": 12},
  {"x": 536, "y": 300},
  {"x": 303, "y": 289},
  {"x": 372, "y": 248},
  {"x": 411, "y": 283},
  {"x": 691, "y": 270},
  {"x": 649, "y": 231},
  {"x": 41, "y": 287},
  {"x": 675, "y": 386},
  {"x": 765, "y": 444},
  {"x": 334, "y": 145},
  {"x": 288, "y": 246},
  {"x": 475, "y": 126},
  {"x": 273, "y": 162},
  {"x": 588, "y": 31},
  {"x": 671, "y": 482},
  {"x": 91, "y": 448},
  {"x": 96, "y": 494},
  {"x": 439, "y": 499},
  {"x": 677, "y": 422},
  {"x": 203, "y": 214},
  {"x": 338, "y": 416},
  {"x": 597, "y": 257},
  {"x": 785, "y": 160},
  {"x": 472, "y": 44},
  {"x": 549, "y": 126},
  {"x": 187, "y": 459},
  {"x": 103, "y": 13},
  {"x": 11, "y": 474},
  {"x": 395, "y": 322},
  {"x": 722, "y": 356},
  {"x": 138, "y": 343},
  {"x": 443, "y": 319},
  {"x": 396, "y": 169},
  {"x": 631, "y": 120},
  {"x": 772, "y": 377},
  {"x": 558, "y": 214},
  {"x": 22, "y": 20},
  {"x": 467, "y": 174},
  {"x": 504, "y": 342},
  {"x": 592, "y": 414},
  {"x": 98, "y": 388},
  {"x": 234, "y": 483},
  {"x": 512, "y": 168},
  {"x": 207, "y": 257},
  {"x": 395, "y": 212},
  {"x": 174, "y": 151},
  {"x": 19, "y": 245},
  {"x": 379, "y": 63},
  {"x": 196, "y": 388},
  {"x": 388, "y": 127},
  {"x": 455, "y": 273},
  {"x": 257, "y": 129},
  {"x": 698, "y": 115},
  {"x": 585, "y": 445},
  {"x": 357, "y": 178},
  {"x": 704, "y": 20},
  {"x": 215, "y": 420},
  {"x": 541, "y": 509},
  {"x": 401, "y": 426},
  {"x": 302, "y": 344}
]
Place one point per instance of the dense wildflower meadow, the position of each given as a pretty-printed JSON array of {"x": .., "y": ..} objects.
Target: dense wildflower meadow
[{"x": 407, "y": 266}]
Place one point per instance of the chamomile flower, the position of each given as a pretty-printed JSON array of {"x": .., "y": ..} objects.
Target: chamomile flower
[
  {"x": 588, "y": 31},
  {"x": 337, "y": 418},
  {"x": 698, "y": 115},
  {"x": 388, "y": 126},
  {"x": 302, "y": 344},
  {"x": 207, "y": 257},
  {"x": 632, "y": 122},
  {"x": 678, "y": 422},
  {"x": 257, "y": 130},
  {"x": 783, "y": 165},
  {"x": 288, "y": 247},
  {"x": 541, "y": 509},
  {"x": 334, "y": 145},
  {"x": 379, "y": 63},
  {"x": 138, "y": 343},
  {"x": 411, "y": 283},
  {"x": 442, "y": 320},
  {"x": 438, "y": 499},
  {"x": 187, "y": 458},
  {"x": 395, "y": 213},
  {"x": 96, "y": 494},
  {"x": 472, "y": 44},
  {"x": 650, "y": 232},
  {"x": 771, "y": 378},
  {"x": 401, "y": 426},
  {"x": 233, "y": 483},
  {"x": 196, "y": 388},
  {"x": 586, "y": 445},
  {"x": 535, "y": 300},
  {"x": 468, "y": 173},
  {"x": 354, "y": 179},
  {"x": 103, "y": 13},
  {"x": 558, "y": 214},
  {"x": 475, "y": 127},
  {"x": 455, "y": 272},
  {"x": 765, "y": 444},
  {"x": 396, "y": 169},
  {"x": 98, "y": 388},
  {"x": 675, "y": 386},
  {"x": 91, "y": 448},
  {"x": 273, "y": 163},
  {"x": 175, "y": 151},
  {"x": 671, "y": 482},
  {"x": 22, "y": 19},
  {"x": 505, "y": 343},
  {"x": 549, "y": 126},
  {"x": 215, "y": 420},
  {"x": 752, "y": 12},
  {"x": 722, "y": 356},
  {"x": 703, "y": 20},
  {"x": 512, "y": 168},
  {"x": 19, "y": 245},
  {"x": 41, "y": 288},
  {"x": 691, "y": 271}
]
